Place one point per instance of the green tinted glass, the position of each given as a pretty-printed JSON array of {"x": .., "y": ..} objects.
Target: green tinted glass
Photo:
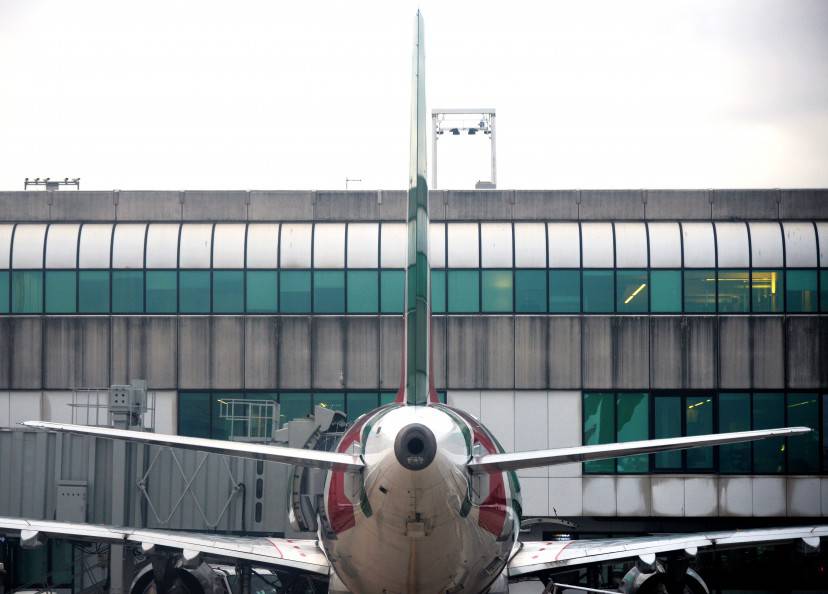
[
  {"x": 294, "y": 406},
  {"x": 222, "y": 426},
  {"x": 598, "y": 291},
  {"x": 27, "y": 291},
  {"x": 767, "y": 288},
  {"x": 733, "y": 291},
  {"x": 359, "y": 403},
  {"x": 734, "y": 415},
  {"x": 632, "y": 418},
  {"x": 93, "y": 291},
  {"x": 565, "y": 291},
  {"x": 63, "y": 562},
  {"x": 331, "y": 400},
  {"x": 768, "y": 413},
  {"x": 530, "y": 291},
  {"x": 463, "y": 291},
  {"x": 497, "y": 290},
  {"x": 127, "y": 291},
  {"x": 803, "y": 450},
  {"x": 665, "y": 291},
  {"x": 599, "y": 426},
  {"x": 438, "y": 291},
  {"x": 194, "y": 291},
  {"x": 329, "y": 291},
  {"x": 294, "y": 291},
  {"x": 387, "y": 398},
  {"x": 60, "y": 291},
  {"x": 261, "y": 421},
  {"x": 392, "y": 290},
  {"x": 228, "y": 291},
  {"x": 632, "y": 292},
  {"x": 700, "y": 291},
  {"x": 823, "y": 290},
  {"x": 363, "y": 291},
  {"x": 667, "y": 423},
  {"x": 699, "y": 421},
  {"x": 262, "y": 291},
  {"x": 801, "y": 290},
  {"x": 194, "y": 414},
  {"x": 4, "y": 291},
  {"x": 162, "y": 291}
]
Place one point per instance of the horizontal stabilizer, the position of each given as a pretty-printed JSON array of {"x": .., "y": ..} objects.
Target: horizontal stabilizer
[
  {"x": 538, "y": 458},
  {"x": 297, "y": 456}
]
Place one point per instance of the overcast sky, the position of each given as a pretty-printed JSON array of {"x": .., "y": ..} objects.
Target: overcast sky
[{"x": 244, "y": 94}]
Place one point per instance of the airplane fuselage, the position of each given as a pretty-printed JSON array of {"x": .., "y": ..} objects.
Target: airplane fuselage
[{"x": 415, "y": 520}]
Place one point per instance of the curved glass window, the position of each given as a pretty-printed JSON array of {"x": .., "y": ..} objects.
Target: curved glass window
[{"x": 767, "y": 289}]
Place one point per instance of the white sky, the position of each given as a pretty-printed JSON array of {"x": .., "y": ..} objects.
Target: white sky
[{"x": 196, "y": 94}]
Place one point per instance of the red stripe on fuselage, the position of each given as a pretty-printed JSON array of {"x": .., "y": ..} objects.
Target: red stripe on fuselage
[{"x": 340, "y": 509}]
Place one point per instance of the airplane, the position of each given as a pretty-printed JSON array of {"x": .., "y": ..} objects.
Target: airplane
[{"x": 420, "y": 498}]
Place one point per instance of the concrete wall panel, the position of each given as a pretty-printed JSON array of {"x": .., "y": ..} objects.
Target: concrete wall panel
[
  {"x": 531, "y": 422},
  {"x": 633, "y": 496},
  {"x": 149, "y": 206},
  {"x": 734, "y": 352},
  {"x": 769, "y": 496},
  {"x": 215, "y": 206},
  {"x": 5, "y": 352},
  {"x": 362, "y": 352},
  {"x": 599, "y": 497},
  {"x": 767, "y": 344},
  {"x": 701, "y": 497},
  {"x": 227, "y": 352},
  {"x": 345, "y": 206},
  {"x": 700, "y": 353},
  {"x": 281, "y": 206},
  {"x": 482, "y": 205},
  {"x": 498, "y": 344},
  {"x": 467, "y": 400},
  {"x": 735, "y": 496},
  {"x": 193, "y": 352},
  {"x": 564, "y": 352},
  {"x": 531, "y": 343},
  {"x": 328, "y": 352},
  {"x": 565, "y": 426},
  {"x": 597, "y": 352},
  {"x": 535, "y": 496},
  {"x": 550, "y": 205},
  {"x": 261, "y": 341},
  {"x": 668, "y": 495},
  {"x": 24, "y": 206},
  {"x": 803, "y": 204},
  {"x": 666, "y": 338},
  {"x": 394, "y": 204},
  {"x": 26, "y": 352},
  {"x": 611, "y": 204},
  {"x": 391, "y": 343},
  {"x": 807, "y": 351},
  {"x": 464, "y": 351},
  {"x": 295, "y": 352},
  {"x": 144, "y": 348},
  {"x": 677, "y": 205},
  {"x": 497, "y": 413},
  {"x": 803, "y": 496},
  {"x": 63, "y": 352},
  {"x": 161, "y": 353},
  {"x": 745, "y": 204},
  {"x": 631, "y": 363},
  {"x": 83, "y": 206},
  {"x": 566, "y": 496}
]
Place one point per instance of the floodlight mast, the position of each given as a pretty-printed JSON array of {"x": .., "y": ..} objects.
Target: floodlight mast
[{"x": 485, "y": 123}]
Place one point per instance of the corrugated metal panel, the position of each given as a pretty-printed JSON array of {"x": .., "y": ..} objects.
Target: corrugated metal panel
[
  {"x": 162, "y": 246},
  {"x": 95, "y": 245},
  {"x": 496, "y": 245},
  {"x": 699, "y": 245},
  {"x": 665, "y": 245},
  {"x": 596, "y": 239},
  {"x": 800, "y": 245},
  {"x": 296, "y": 245},
  {"x": 28, "y": 246},
  {"x": 530, "y": 245},
  {"x": 5, "y": 244},
  {"x": 463, "y": 246},
  {"x": 363, "y": 245},
  {"x": 766, "y": 244},
  {"x": 128, "y": 246},
  {"x": 228, "y": 246},
  {"x": 263, "y": 245},
  {"x": 437, "y": 245},
  {"x": 732, "y": 245},
  {"x": 62, "y": 246},
  {"x": 564, "y": 245},
  {"x": 631, "y": 245},
  {"x": 195, "y": 247},
  {"x": 329, "y": 245}
]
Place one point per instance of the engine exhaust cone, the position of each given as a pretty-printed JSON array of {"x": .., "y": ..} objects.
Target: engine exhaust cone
[{"x": 415, "y": 447}]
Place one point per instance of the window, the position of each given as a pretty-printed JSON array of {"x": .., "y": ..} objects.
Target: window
[
  {"x": 598, "y": 291},
  {"x": 220, "y": 428},
  {"x": 632, "y": 418},
  {"x": 4, "y": 291},
  {"x": 294, "y": 291},
  {"x": 329, "y": 291},
  {"x": 631, "y": 291},
  {"x": 565, "y": 291},
  {"x": 825, "y": 433},
  {"x": 438, "y": 291},
  {"x": 767, "y": 289},
  {"x": 768, "y": 413},
  {"x": 294, "y": 406},
  {"x": 387, "y": 398},
  {"x": 733, "y": 291},
  {"x": 665, "y": 291},
  {"x": 162, "y": 291},
  {"x": 194, "y": 414},
  {"x": 803, "y": 450},
  {"x": 530, "y": 291},
  {"x": 228, "y": 291},
  {"x": 262, "y": 291},
  {"x": 599, "y": 426},
  {"x": 497, "y": 291},
  {"x": 194, "y": 291},
  {"x": 127, "y": 291},
  {"x": 699, "y": 421},
  {"x": 463, "y": 291},
  {"x": 392, "y": 290},
  {"x": 360, "y": 403},
  {"x": 699, "y": 291},
  {"x": 667, "y": 412},
  {"x": 93, "y": 291},
  {"x": 823, "y": 290},
  {"x": 801, "y": 291},
  {"x": 60, "y": 291},
  {"x": 331, "y": 400},
  {"x": 363, "y": 291},
  {"x": 27, "y": 291},
  {"x": 734, "y": 415}
]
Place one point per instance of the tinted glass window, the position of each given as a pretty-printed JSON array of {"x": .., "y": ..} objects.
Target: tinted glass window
[
  {"x": 497, "y": 290},
  {"x": 4, "y": 291},
  {"x": 631, "y": 291},
  {"x": 438, "y": 291},
  {"x": 162, "y": 291},
  {"x": 27, "y": 291},
  {"x": 331, "y": 400},
  {"x": 194, "y": 291},
  {"x": 294, "y": 291},
  {"x": 803, "y": 450},
  {"x": 530, "y": 291},
  {"x": 699, "y": 291},
  {"x": 194, "y": 414},
  {"x": 228, "y": 291},
  {"x": 463, "y": 291},
  {"x": 699, "y": 421},
  {"x": 262, "y": 291},
  {"x": 359, "y": 403},
  {"x": 801, "y": 291},
  {"x": 667, "y": 423},
  {"x": 665, "y": 291},
  {"x": 387, "y": 397},
  {"x": 565, "y": 291},
  {"x": 60, "y": 291},
  {"x": 392, "y": 289},
  {"x": 632, "y": 418},
  {"x": 825, "y": 432},
  {"x": 127, "y": 291},
  {"x": 823, "y": 290},
  {"x": 733, "y": 291},
  {"x": 329, "y": 291},
  {"x": 599, "y": 426},
  {"x": 93, "y": 291},
  {"x": 294, "y": 406},
  {"x": 598, "y": 291},
  {"x": 767, "y": 289},
  {"x": 768, "y": 413},
  {"x": 734, "y": 415},
  {"x": 363, "y": 291}
]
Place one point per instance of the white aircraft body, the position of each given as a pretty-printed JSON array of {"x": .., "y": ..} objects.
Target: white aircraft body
[{"x": 419, "y": 496}]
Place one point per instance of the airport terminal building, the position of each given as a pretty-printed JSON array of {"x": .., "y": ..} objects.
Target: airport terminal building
[{"x": 559, "y": 318}]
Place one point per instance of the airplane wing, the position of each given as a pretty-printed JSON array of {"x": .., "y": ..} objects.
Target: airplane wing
[
  {"x": 535, "y": 557},
  {"x": 302, "y": 555},
  {"x": 297, "y": 456},
  {"x": 534, "y": 459}
]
